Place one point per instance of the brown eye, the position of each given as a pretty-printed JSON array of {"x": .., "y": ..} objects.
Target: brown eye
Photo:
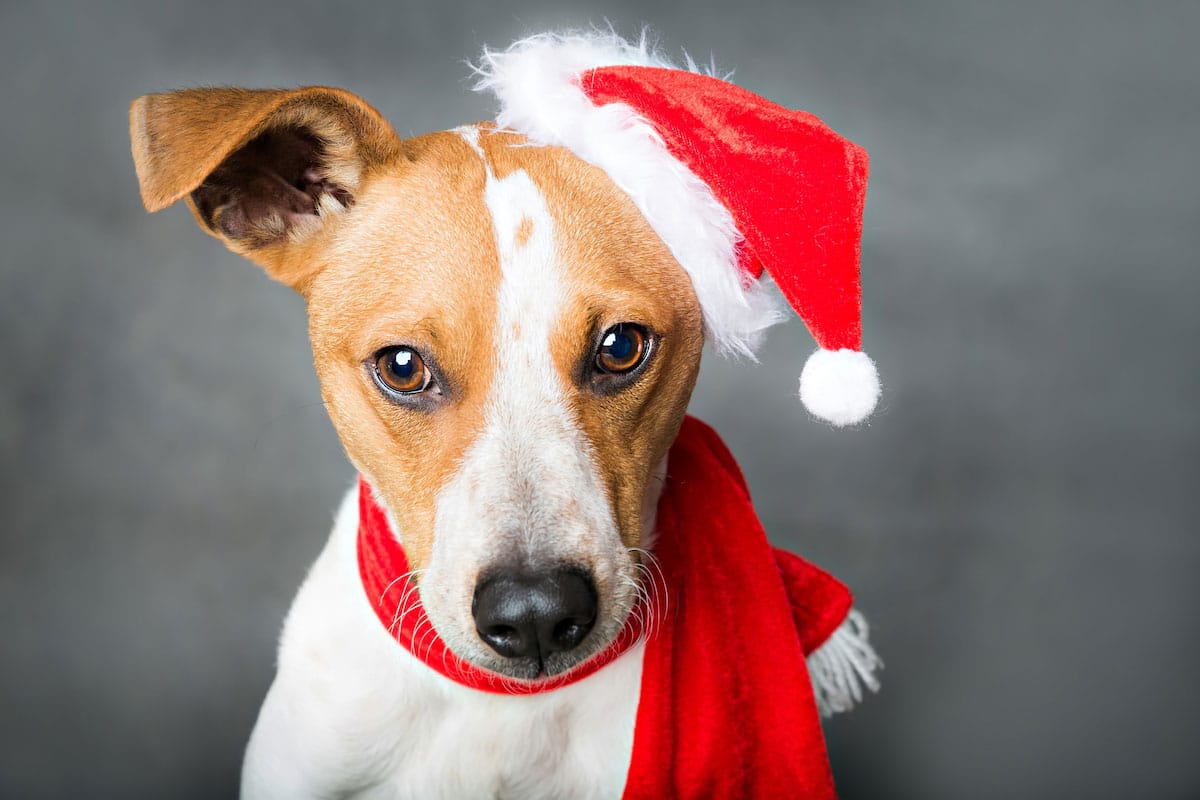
[
  {"x": 401, "y": 370},
  {"x": 622, "y": 348}
]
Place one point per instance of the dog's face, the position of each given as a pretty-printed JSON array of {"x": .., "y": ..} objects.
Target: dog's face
[
  {"x": 460, "y": 331},
  {"x": 504, "y": 346}
]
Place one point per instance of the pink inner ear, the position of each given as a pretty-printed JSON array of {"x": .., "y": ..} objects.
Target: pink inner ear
[{"x": 267, "y": 187}]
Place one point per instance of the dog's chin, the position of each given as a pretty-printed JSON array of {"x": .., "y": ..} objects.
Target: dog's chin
[{"x": 533, "y": 670}]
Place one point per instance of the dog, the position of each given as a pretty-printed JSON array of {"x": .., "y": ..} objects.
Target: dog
[{"x": 506, "y": 347}]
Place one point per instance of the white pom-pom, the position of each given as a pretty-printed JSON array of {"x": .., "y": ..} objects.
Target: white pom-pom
[{"x": 839, "y": 386}]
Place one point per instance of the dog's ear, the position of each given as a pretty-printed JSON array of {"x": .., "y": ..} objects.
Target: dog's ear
[{"x": 262, "y": 169}]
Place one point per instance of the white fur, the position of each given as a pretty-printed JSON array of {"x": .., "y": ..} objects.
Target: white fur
[
  {"x": 353, "y": 714},
  {"x": 535, "y": 81},
  {"x": 839, "y": 386}
]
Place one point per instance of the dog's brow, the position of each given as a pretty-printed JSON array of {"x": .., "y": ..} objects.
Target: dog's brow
[
  {"x": 427, "y": 327},
  {"x": 394, "y": 330}
]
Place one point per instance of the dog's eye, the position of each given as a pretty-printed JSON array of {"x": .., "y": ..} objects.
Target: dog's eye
[
  {"x": 401, "y": 370},
  {"x": 622, "y": 348}
]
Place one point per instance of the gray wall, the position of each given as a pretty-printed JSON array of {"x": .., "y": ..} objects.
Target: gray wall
[{"x": 1019, "y": 521}]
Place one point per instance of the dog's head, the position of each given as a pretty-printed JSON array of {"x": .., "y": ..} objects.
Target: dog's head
[{"x": 504, "y": 345}]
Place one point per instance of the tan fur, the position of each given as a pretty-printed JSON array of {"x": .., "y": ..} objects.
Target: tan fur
[
  {"x": 414, "y": 262},
  {"x": 524, "y": 231}
]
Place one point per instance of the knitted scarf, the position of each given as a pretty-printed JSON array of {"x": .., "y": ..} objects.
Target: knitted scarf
[{"x": 727, "y": 708}]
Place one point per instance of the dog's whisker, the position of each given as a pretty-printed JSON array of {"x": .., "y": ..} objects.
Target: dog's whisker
[
  {"x": 653, "y": 589},
  {"x": 407, "y": 599},
  {"x": 428, "y": 638},
  {"x": 642, "y": 612},
  {"x": 418, "y": 634},
  {"x": 658, "y": 581},
  {"x": 416, "y": 631},
  {"x": 388, "y": 588},
  {"x": 407, "y": 602},
  {"x": 410, "y": 596}
]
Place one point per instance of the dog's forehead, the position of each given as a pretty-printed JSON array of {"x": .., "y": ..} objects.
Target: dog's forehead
[
  {"x": 413, "y": 242},
  {"x": 423, "y": 244}
]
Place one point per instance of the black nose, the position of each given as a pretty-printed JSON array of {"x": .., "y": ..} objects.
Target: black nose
[{"x": 534, "y": 614}]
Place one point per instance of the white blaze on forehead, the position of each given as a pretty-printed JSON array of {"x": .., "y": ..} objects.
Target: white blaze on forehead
[
  {"x": 531, "y": 294},
  {"x": 528, "y": 491},
  {"x": 531, "y": 288}
]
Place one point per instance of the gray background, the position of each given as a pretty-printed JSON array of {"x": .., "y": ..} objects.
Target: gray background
[{"x": 1019, "y": 520}]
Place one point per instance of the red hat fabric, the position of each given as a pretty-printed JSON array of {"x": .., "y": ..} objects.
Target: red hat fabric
[{"x": 733, "y": 184}]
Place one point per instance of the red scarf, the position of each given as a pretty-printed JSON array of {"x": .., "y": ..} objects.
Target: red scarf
[{"x": 726, "y": 707}]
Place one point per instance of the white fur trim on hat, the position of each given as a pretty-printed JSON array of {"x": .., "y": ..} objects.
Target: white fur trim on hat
[
  {"x": 839, "y": 386},
  {"x": 535, "y": 81}
]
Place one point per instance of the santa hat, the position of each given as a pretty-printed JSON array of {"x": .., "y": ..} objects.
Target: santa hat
[{"x": 731, "y": 182}]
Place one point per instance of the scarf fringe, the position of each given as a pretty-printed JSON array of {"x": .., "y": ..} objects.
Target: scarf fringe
[{"x": 843, "y": 665}]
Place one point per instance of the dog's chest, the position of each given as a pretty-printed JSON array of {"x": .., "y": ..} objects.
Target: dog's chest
[{"x": 574, "y": 742}]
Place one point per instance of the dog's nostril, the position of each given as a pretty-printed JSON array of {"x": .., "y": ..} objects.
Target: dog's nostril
[
  {"x": 502, "y": 638},
  {"x": 570, "y": 632},
  {"x": 531, "y": 615}
]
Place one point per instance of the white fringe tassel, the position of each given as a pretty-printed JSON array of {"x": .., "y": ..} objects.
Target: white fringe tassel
[{"x": 841, "y": 667}]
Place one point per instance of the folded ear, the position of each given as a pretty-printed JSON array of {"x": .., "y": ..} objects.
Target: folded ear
[{"x": 262, "y": 169}]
